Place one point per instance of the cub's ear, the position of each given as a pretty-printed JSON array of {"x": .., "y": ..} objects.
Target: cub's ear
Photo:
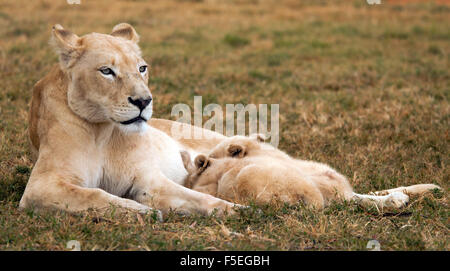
[
  {"x": 258, "y": 137},
  {"x": 186, "y": 160},
  {"x": 201, "y": 163},
  {"x": 67, "y": 44},
  {"x": 236, "y": 150},
  {"x": 126, "y": 31}
]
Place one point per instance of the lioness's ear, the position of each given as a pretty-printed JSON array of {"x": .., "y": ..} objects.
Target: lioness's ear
[
  {"x": 67, "y": 44},
  {"x": 258, "y": 137},
  {"x": 125, "y": 31},
  {"x": 201, "y": 163},
  {"x": 236, "y": 150}
]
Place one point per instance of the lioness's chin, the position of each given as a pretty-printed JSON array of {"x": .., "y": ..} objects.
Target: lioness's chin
[
  {"x": 137, "y": 124},
  {"x": 135, "y": 127}
]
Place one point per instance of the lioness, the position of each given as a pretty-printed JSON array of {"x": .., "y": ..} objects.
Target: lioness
[
  {"x": 241, "y": 168},
  {"x": 95, "y": 147}
]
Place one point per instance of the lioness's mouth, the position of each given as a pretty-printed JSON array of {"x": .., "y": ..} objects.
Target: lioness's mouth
[{"x": 136, "y": 119}]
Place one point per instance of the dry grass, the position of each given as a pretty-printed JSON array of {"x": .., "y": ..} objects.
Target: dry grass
[{"x": 362, "y": 88}]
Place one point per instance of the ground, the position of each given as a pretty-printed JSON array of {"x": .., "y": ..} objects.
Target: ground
[{"x": 364, "y": 88}]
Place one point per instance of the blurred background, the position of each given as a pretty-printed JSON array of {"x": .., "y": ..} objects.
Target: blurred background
[{"x": 364, "y": 88}]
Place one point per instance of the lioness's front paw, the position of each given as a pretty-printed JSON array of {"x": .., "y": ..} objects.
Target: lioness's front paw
[
  {"x": 156, "y": 214},
  {"x": 224, "y": 208},
  {"x": 239, "y": 206}
]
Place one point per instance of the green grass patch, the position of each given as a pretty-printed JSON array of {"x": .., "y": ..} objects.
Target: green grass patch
[{"x": 366, "y": 95}]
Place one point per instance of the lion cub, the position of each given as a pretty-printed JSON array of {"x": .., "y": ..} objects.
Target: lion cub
[
  {"x": 330, "y": 183},
  {"x": 241, "y": 168}
]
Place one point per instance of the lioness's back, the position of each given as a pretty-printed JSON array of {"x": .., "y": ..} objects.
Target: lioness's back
[{"x": 52, "y": 79}]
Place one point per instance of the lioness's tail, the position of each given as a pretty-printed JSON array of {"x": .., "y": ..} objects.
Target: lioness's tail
[
  {"x": 416, "y": 189},
  {"x": 393, "y": 198}
]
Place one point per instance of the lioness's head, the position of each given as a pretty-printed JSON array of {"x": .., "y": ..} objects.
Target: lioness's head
[{"x": 107, "y": 76}]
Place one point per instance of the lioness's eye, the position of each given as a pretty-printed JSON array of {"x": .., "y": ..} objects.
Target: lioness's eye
[
  {"x": 107, "y": 71},
  {"x": 142, "y": 69}
]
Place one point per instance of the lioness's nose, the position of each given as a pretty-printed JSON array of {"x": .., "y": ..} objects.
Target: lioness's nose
[{"x": 140, "y": 103}]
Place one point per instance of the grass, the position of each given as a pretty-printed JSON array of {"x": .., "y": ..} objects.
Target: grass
[{"x": 363, "y": 88}]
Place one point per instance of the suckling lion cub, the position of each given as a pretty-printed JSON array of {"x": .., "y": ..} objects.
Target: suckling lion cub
[{"x": 241, "y": 168}]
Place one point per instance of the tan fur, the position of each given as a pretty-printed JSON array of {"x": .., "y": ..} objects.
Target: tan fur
[
  {"x": 241, "y": 168},
  {"x": 89, "y": 152},
  {"x": 259, "y": 178}
]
